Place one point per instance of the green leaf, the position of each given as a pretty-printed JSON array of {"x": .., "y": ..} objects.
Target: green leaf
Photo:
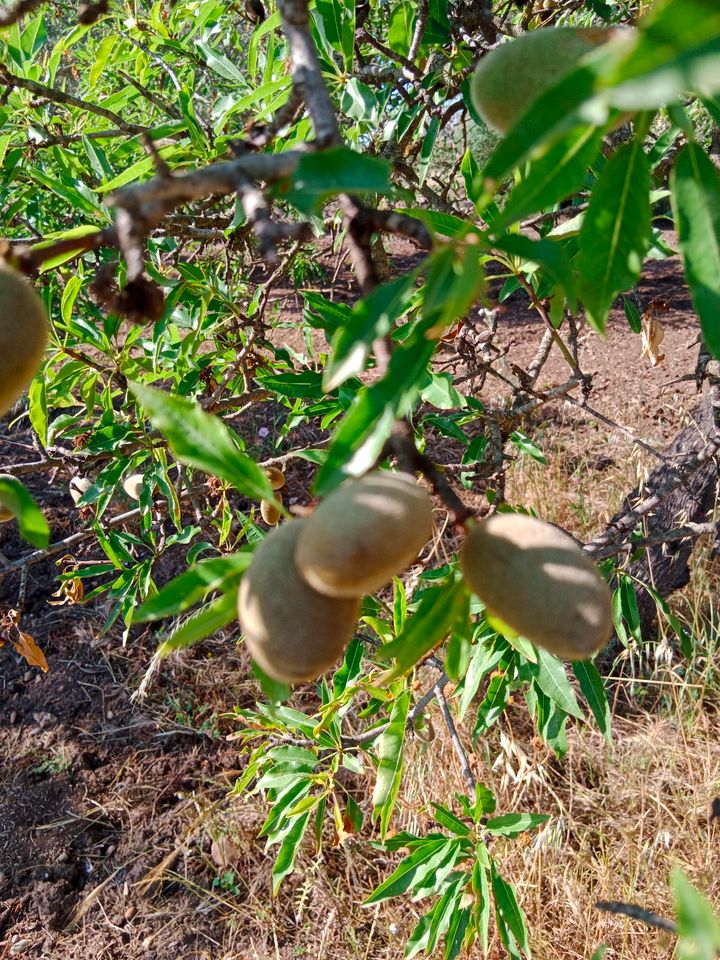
[
  {"x": 220, "y": 64},
  {"x": 553, "y": 175},
  {"x": 551, "y": 719},
  {"x": 511, "y": 824},
  {"x": 493, "y": 704},
  {"x": 218, "y": 573},
  {"x": 137, "y": 170},
  {"x": 447, "y": 819},
  {"x": 208, "y": 620},
  {"x": 200, "y": 440},
  {"x": 401, "y": 879},
  {"x": 526, "y": 445},
  {"x": 305, "y": 384},
  {"x": 677, "y": 50},
  {"x": 470, "y": 172},
  {"x": 615, "y": 232},
  {"x": 698, "y": 925},
  {"x": 288, "y": 850},
  {"x": 322, "y": 175},
  {"x": 509, "y": 910},
  {"x": 362, "y": 434},
  {"x": 432, "y": 926},
  {"x": 696, "y": 205},
  {"x": 456, "y": 932},
  {"x": 274, "y": 690},
  {"x": 371, "y": 318},
  {"x": 431, "y": 878},
  {"x": 390, "y": 754},
  {"x": 455, "y": 280},
  {"x": 440, "y": 609},
  {"x": 549, "y": 672},
  {"x": 37, "y": 398},
  {"x": 548, "y": 254},
  {"x": 325, "y": 314},
  {"x": 593, "y": 688},
  {"x": 33, "y": 525}
]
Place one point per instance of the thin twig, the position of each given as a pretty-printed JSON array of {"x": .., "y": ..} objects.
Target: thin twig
[
  {"x": 61, "y": 96},
  {"x": 467, "y": 773}
]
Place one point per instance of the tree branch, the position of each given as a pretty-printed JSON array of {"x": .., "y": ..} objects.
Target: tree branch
[{"x": 60, "y": 96}]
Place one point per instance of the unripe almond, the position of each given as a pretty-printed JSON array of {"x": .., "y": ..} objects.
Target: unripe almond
[
  {"x": 276, "y": 477},
  {"x": 78, "y": 487},
  {"x": 133, "y": 485},
  {"x": 512, "y": 76},
  {"x": 536, "y": 578},
  {"x": 365, "y": 533},
  {"x": 23, "y": 335},
  {"x": 293, "y": 632},
  {"x": 269, "y": 512}
]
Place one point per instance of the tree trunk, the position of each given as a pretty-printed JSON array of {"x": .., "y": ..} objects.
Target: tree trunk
[{"x": 666, "y": 566}]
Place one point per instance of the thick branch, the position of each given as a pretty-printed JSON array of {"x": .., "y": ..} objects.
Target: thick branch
[{"x": 306, "y": 71}]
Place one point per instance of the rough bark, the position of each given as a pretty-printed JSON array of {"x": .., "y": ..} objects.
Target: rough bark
[{"x": 667, "y": 565}]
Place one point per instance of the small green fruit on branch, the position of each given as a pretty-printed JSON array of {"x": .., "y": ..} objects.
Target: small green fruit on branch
[
  {"x": 509, "y": 79},
  {"x": 293, "y": 632},
  {"x": 364, "y": 533},
  {"x": 78, "y": 487},
  {"x": 23, "y": 335},
  {"x": 539, "y": 582}
]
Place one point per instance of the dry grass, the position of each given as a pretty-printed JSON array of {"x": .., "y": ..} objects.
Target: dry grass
[{"x": 622, "y": 816}]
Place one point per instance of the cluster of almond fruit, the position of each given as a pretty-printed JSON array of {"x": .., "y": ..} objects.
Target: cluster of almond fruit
[{"x": 300, "y": 599}]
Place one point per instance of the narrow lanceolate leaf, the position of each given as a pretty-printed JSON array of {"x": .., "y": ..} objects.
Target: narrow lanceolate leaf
[
  {"x": 367, "y": 425},
  {"x": 403, "y": 877},
  {"x": 548, "y": 254},
  {"x": 509, "y": 910},
  {"x": 33, "y": 525},
  {"x": 510, "y": 824},
  {"x": 550, "y": 675},
  {"x": 696, "y": 205},
  {"x": 593, "y": 689},
  {"x": 390, "y": 752},
  {"x": 698, "y": 924},
  {"x": 552, "y": 176},
  {"x": 208, "y": 620},
  {"x": 319, "y": 176},
  {"x": 193, "y": 585},
  {"x": 371, "y": 318},
  {"x": 436, "y": 616},
  {"x": 677, "y": 50},
  {"x": 201, "y": 440},
  {"x": 615, "y": 231},
  {"x": 288, "y": 851}
]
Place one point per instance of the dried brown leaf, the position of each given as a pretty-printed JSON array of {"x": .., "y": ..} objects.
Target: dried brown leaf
[{"x": 27, "y": 648}]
